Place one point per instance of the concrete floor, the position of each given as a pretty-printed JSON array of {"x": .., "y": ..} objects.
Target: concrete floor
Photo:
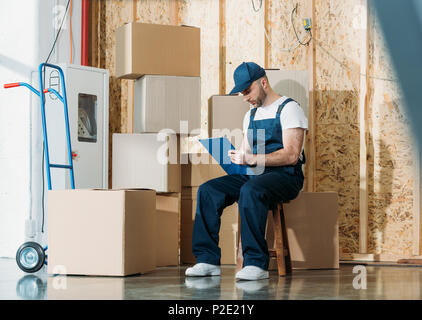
[{"x": 383, "y": 282}]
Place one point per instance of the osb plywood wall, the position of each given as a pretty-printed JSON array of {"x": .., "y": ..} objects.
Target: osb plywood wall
[
  {"x": 392, "y": 157},
  {"x": 336, "y": 113},
  {"x": 232, "y": 32}
]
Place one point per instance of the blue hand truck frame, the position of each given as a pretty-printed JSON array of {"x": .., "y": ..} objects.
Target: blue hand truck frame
[{"x": 31, "y": 256}]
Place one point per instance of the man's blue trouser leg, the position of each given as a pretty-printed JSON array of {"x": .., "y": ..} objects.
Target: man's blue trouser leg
[{"x": 254, "y": 194}]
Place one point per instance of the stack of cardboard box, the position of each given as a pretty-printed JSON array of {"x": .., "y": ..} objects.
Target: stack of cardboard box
[
  {"x": 165, "y": 61},
  {"x": 134, "y": 227}
]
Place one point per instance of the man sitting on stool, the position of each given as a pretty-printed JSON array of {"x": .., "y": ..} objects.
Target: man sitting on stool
[{"x": 275, "y": 124}]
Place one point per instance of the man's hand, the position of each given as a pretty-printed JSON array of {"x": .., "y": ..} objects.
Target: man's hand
[{"x": 242, "y": 158}]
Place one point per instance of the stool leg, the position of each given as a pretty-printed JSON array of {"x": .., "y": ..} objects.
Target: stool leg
[
  {"x": 279, "y": 246},
  {"x": 288, "y": 261},
  {"x": 239, "y": 260}
]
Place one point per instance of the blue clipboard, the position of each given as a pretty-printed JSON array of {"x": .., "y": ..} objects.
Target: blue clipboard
[{"x": 218, "y": 148}]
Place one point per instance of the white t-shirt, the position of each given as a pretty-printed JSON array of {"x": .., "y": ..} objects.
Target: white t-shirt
[{"x": 292, "y": 116}]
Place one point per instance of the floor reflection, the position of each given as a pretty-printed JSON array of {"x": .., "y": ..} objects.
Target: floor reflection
[
  {"x": 31, "y": 287},
  {"x": 171, "y": 283},
  {"x": 254, "y": 289},
  {"x": 202, "y": 288}
]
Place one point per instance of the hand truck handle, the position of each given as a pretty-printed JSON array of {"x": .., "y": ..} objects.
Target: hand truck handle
[
  {"x": 12, "y": 85},
  {"x": 21, "y": 84}
]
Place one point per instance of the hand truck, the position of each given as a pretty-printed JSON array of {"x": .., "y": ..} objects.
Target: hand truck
[{"x": 31, "y": 256}]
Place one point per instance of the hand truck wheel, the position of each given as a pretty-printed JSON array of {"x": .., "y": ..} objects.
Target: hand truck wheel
[{"x": 30, "y": 257}]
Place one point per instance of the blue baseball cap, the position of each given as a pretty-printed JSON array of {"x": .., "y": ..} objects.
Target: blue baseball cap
[{"x": 245, "y": 74}]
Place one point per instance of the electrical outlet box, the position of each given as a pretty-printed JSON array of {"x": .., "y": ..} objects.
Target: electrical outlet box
[{"x": 307, "y": 24}]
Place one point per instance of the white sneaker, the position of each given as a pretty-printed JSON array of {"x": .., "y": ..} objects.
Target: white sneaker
[
  {"x": 252, "y": 273},
  {"x": 202, "y": 270}
]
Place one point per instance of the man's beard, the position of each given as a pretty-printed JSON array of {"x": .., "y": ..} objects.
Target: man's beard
[{"x": 261, "y": 98}]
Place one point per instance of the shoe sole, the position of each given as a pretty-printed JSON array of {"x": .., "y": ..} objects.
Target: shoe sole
[{"x": 214, "y": 273}]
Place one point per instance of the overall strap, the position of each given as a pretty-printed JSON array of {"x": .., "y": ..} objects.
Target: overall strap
[
  {"x": 283, "y": 104},
  {"x": 252, "y": 115}
]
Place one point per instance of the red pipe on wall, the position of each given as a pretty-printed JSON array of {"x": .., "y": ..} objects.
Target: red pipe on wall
[{"x": 84, "y": 36}]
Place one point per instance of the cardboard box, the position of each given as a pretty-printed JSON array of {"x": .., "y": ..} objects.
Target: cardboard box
[
  {"x": 312, "y": 230},
  {"x": 146, "y": 160},
  {"x": 229, "y": 244},
  {"x": 203, "y": 168},
  {"x": 143, "y": 48},
  {"x": 193, "y": 175},
  {"x": 291, "y": 83},
  {"x": 167, "y": 232},
  {"x": 226, "y": 114},
  {"x": 162, "y": 102},
  {"x": 186, "y": 255},
  {"x": 228, "y": 230},
  {"x": 101, "y": 232}
]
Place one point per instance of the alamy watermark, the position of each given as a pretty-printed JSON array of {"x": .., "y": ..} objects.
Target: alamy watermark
[
  {"x": 59, "y": 281},
  {"x": 359, "y": 281}
]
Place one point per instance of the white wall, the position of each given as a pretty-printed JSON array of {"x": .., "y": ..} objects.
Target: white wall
[{"x": 26, "y": 35}]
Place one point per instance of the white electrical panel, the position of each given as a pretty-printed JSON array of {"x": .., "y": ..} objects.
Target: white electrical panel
[
  {"x": 87, "y": 101},
  {"x": 88, "y": 106}
]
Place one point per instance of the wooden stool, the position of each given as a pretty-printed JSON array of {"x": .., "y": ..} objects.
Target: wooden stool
[{"x": 281, "y": 244}]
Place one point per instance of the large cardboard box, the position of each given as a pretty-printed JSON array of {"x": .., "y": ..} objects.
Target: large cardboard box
[
  {"x": 229, "y": 239},
  {"x": 226, "y": 113},
  {"x": 291, "y": 83},
  {"x": 143, "y": 48},
  {"x": 228, "y": 231},
  {"x": 312, "y": 230},
  {"x": 163, "y": 102},
  {"x": 146, "y": 160},
  {"x": 167, "y": 233},
  {"x": 101, "y": 232}
]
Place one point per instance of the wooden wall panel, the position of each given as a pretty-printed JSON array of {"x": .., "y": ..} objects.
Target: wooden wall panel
[
  {"x": 153, "y": 11},
  {"x": 282, "y": 37},
  {"x": 336, "y": 107},
  {"x": 244, "y": 37},
  {"x": 337, "y": 160},
  {"x": 391, "y": 192}
]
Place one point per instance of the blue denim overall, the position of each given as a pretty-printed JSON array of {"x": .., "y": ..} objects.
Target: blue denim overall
[{"x": 254, "y": 194}]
